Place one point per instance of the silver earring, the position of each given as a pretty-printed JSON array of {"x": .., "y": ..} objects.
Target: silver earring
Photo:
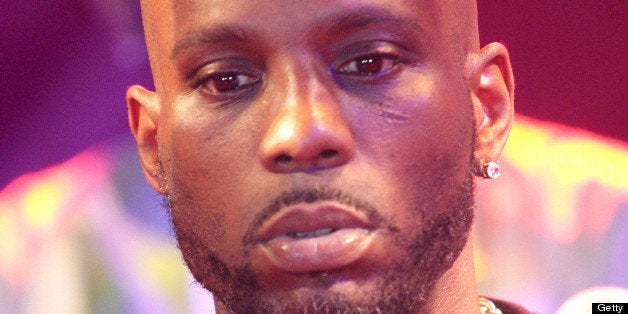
[{"x": 490, "y": 170}]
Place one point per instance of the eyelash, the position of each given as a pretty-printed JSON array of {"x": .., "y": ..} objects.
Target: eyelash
[
  {"x": 231, "y": 84},
  {"x": 222, "y": 78},
  {"x": 383, "y": 64}
]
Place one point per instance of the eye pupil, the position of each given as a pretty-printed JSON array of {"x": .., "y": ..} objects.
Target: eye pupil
[
  {"x": 370, "y": 66},
  {"x": 226, "y": 82}
]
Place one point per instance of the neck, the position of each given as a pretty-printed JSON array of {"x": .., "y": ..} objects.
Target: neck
[{"x": 456, "y": 291}]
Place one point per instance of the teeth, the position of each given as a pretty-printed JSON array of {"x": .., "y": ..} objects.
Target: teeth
[
  {"x": 323, "y": 231},
  {"x": 311, "y": 234}
]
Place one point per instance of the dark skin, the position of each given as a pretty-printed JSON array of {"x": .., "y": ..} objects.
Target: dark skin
[{"x": 318, "y": 156}]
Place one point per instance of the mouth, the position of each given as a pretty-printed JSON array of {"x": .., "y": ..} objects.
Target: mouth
[{"x": 315, "y": 237}]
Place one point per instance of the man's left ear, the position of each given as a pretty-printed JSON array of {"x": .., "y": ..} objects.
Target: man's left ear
[{"x": 492, "y": 88}]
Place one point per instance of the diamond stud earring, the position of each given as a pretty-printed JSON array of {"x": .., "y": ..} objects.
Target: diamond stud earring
[{"x": 490, "y": 170}]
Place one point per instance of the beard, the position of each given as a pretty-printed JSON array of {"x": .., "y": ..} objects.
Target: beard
[{"x": 401, "y": 285}]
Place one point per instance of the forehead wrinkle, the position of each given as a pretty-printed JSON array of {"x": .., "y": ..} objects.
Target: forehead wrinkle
[{"x": 209, "y": 36}]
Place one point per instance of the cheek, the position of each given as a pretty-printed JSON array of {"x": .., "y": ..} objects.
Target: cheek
[
  {"x": 427, "y": 153},
  {"x": 419, "y": 119},
  {"x": 437, "y": 139},
  {"x": 209, "y": 147},
  {"x": 206, "y": 162}
]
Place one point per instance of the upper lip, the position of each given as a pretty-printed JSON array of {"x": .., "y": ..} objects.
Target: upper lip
[{"x": 311, "y": 217}]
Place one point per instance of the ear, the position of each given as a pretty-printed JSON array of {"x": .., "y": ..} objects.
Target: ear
[
  {"x": 143, "y": 106},
  {"x": 492, "y": 88}
]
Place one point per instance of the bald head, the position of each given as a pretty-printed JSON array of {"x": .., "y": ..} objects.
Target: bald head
[
  {"x": 160, "y": 23},
  {"x": 318, "y": 155}
]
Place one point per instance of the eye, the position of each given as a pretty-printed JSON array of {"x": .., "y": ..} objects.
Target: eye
[
  {"x": 372, "y": 65},
  {"x": 226, "y": 82}
]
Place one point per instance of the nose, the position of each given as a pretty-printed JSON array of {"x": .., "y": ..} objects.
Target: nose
[{"x": 308, "y": 133}]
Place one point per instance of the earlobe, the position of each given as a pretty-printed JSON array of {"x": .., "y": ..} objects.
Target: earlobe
[
  {"x": 491, "y": 81},
  {"x": 143, "y": 109}
]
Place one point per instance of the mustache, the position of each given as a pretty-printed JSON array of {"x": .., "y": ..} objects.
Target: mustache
[{"x": 312, "y": 195}]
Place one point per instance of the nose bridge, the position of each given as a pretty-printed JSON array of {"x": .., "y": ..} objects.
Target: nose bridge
[
  {"x": 307, "y": 132},
  {"x": 298, "y": 102},
  {"x": 309, "y": 101}
]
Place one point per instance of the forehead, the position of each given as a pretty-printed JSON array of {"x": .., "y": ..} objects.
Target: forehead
[
  {"x": 172, "y": 22},
  {"x": 280, "y": 11},
  {"x": 248, "y": 9}
]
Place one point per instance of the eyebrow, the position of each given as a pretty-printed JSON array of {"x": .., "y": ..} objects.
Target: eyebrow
[
  {"x": 359, "y": 18},
  {"x": 334, "y": 24},
  {"x": 209, "y": 36}
]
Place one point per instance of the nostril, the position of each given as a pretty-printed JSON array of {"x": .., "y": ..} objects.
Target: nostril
[
  {"x": 329, "y": 153},
  {"x": 283, "y": 159}
]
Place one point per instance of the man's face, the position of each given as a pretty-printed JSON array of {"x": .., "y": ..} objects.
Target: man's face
[{"x": 316, "y": 154}]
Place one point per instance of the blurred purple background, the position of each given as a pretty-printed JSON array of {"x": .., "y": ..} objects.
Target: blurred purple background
[{"x": 66, "y": 65}]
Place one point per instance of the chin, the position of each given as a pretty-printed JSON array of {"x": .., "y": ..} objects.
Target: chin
[
  {"x": 393, "y": 284},
  {"x": 394, "y": 274},
  {"x": 342, "y": 297}
]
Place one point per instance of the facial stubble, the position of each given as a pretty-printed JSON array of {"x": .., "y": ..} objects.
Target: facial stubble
[{"x": 403, "y": 285}]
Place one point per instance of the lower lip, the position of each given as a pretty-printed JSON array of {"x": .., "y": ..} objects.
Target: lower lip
[{"x": 322, "y": 253}]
